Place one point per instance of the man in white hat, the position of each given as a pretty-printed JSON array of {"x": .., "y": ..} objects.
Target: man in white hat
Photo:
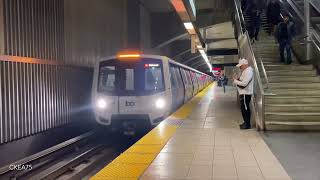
[{"x": 245, "y": 88}]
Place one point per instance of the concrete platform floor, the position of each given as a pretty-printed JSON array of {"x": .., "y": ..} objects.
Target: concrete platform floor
[{"x": 298, "y": 152}]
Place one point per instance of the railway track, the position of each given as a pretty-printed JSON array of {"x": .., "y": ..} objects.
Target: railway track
[{"x": 72, "y": 159}]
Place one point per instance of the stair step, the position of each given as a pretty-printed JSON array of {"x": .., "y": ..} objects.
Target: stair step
[
  {"x": 292, "y": 107},
  {"x": 288, "y": 67},
  {"x": 290, "y": 79},
  {"x": 291, "y": 73},
  {"x": 295, "y": 92},
  {"x": 315, "y": 20},
  {"x": 292, "y": 126},
  {"x": 293, "y": 117},
  {"x": 292, "y": 85},
  {"x": 275, "y": 62},
  {"x": 292, "y": 99}
]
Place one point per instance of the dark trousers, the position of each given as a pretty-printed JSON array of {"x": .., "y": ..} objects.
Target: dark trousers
[
  {"x": 285, "y": 45},
  {"x": 254, "y": 31},
  {"x": 254, "y": 27},
  {"x": 245, "y": 109}
]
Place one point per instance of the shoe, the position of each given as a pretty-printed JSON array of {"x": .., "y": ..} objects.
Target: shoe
[{"x": 243, "y": 126}]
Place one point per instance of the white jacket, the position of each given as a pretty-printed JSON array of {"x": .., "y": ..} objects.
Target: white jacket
[{"x": 245, "y": 78}]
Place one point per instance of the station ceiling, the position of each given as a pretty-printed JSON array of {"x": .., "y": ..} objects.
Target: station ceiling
[{"x": 212, "y": 15}]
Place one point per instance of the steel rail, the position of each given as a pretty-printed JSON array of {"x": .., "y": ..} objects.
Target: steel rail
[{"x": 40, "y": 155}]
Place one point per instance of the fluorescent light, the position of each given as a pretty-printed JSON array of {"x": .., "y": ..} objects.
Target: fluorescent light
[
  {"x": 188, "y": 26},
  {"x": 205, "y": 57}
]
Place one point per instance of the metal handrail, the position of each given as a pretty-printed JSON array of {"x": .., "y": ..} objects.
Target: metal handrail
[
  {"x": 240, "y": 18},
  {"x": 255, "y": 65},
  {"x": 313, "y": 33},
  {"x": 265, "y": 73}
]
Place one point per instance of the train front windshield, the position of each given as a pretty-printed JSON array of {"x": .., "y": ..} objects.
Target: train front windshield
[{"x": 131, "y": 77}]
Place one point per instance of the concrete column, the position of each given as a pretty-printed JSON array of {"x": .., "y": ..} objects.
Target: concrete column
[
  {"x": 2, "y": 26},
  {"x": 133, "y": 24},
  {"x": 307, "y": 28}
]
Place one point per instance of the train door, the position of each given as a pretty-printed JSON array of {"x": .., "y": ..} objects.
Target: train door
[
  {"x": 129, "y": 101},
  {"x": 195, "y": 83},
  {"x": 186, "y": 80},
  {"x": 181, "y": 86},
  {"x": 174, "y": 89}
]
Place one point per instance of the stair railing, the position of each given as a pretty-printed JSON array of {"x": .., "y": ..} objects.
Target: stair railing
[
  {"x": 264, "y": 73},
  {"x": 246, "y": 51}
]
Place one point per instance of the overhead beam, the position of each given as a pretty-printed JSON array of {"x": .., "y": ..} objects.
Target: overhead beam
[
  {"x": 191, "y": 59},
  {"x": 222, "y": 52},
  {"x": 182, "y": 53}
]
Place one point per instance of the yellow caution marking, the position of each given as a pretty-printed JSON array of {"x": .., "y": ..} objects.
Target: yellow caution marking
[
  {"x": 135, "y": 158},
  {"x": 144, "y": 148},
  {"x": 158, "y": 135},
  {"x": 134, "y": 161},
  {"x": 185, "y": 110},
  {"x": 117, "y": 170}
]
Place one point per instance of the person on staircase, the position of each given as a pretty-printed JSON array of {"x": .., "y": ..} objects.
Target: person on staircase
[
  {"x": 255, "y": 16},
  {"x": 273, "y": 15},
  {"x": 245, "y": 89},
  {"x": 284, "y": 34}
]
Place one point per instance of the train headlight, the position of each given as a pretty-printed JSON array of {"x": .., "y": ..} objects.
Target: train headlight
[
  {"x": 160, "y": 103},
  {"x": 101, "y": 103}
]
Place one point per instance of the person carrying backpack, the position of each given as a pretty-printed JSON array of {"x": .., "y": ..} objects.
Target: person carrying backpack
[{"x": 284, "y": 34}]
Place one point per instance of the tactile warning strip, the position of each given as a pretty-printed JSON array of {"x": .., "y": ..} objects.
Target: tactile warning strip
[
  {"x": 176, "y": 122},
  {"x": 135, "y": 160}
]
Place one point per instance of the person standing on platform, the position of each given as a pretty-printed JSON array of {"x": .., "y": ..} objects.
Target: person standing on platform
[
  {"x": 284, "y": 34},
  {"x": 223, "y": 80},
  {"x": 273, "y": 15},
  {"x": 245, "y": 88}
]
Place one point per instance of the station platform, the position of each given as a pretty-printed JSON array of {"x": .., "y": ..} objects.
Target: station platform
[{"x": 201, "y": 140}]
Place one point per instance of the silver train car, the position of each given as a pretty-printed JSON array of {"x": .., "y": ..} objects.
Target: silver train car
[{"x": 136, "y": 90}]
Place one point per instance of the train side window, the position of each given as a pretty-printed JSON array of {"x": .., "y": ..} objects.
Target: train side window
[
  {"x": 178, "y": 76},
  {"x": 107, "y": 78},
  {"x": 173, "y": 77},
  {"x": 189, "y": 77},
  {"x": 194, "y": 77},
  {"x": 186, "y": 75},
  {"x": 184, "y": 78}
]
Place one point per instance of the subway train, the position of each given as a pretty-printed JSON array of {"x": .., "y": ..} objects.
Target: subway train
[{"x": 133, "y": 91}]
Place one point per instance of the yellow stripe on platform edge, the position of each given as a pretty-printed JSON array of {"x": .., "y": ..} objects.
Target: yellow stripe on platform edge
[{"x": 134, "y": 161}]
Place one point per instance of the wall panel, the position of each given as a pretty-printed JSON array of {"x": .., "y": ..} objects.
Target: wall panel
[
  {"x": 34, "y": 28},
  {"x": 37, "y": 97}
]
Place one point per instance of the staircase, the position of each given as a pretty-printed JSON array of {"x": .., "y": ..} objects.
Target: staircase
[{"x": 292, "y": 100}]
